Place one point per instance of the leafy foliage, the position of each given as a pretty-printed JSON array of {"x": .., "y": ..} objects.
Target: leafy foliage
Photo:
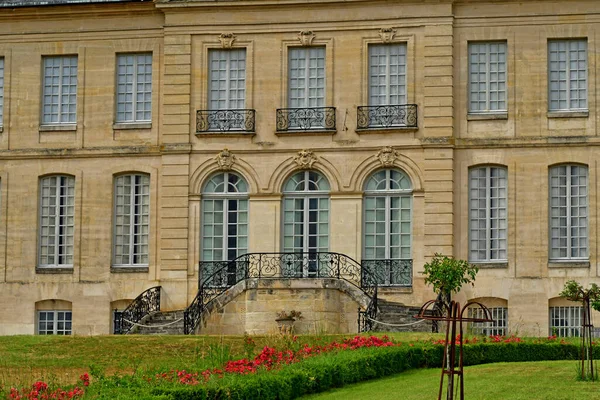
[
  {"x": 447, "y": 275},
  {"x": 575, "y": 292}
]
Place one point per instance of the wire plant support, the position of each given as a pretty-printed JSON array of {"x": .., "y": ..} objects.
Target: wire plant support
[{"x": 452, "y": 314}]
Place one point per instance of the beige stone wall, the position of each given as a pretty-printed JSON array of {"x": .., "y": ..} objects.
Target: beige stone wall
[{"x": 436, "y": 156}]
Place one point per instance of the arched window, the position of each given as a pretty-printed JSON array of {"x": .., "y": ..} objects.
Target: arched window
[
  {"x": 306, "y": 216},
  {"x": 387, "y": 227}
]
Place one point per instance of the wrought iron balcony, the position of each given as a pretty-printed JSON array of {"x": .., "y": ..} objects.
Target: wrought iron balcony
[
  {"x": 390, "y": 272},
  {"x": 232, "y": 121},
  {"x": 306, "y": 119},
  {"x": 393, "y": 116}
]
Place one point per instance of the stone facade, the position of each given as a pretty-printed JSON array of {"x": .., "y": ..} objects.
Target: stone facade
[{"x": 436, "y": 156}]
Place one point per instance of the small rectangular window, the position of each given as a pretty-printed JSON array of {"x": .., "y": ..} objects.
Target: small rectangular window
[
  {"x": 134, "y": 87},
  {"x": 60, "y": 90},
  {"x": 54, "y": 323},
  {"x": 498, "y": 327},
  {"x": 566, "y": 321},
  {"x": 487, "y": 77},
  {"x": 567, "y": 75}
]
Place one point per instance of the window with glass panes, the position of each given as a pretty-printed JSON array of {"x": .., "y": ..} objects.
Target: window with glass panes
[
  {"x": 567, "y": 74},
  {"x": 498, "y": 327},
  {"x": 227, "y": 79},
  {"x": 57, "y": 221},
  {"x": 224, "y": 217},
  {"x": 131, "y": 219},
  {"x": 387, "y": 74},
  {"x": 306, "y": 77},
  {"x": 54, "y": 323},
  {"x": 569, "y": 212},
  {"x": 488, "y": 214},
  {"x": 487, "y": 77},
  {"x": 1, "y": 91},
  {"x": 134, "y": 87},
  {"x": 387, "y": 223},
  {"x": 59, "y": 90},
  {"x": 566, "y": 321}
]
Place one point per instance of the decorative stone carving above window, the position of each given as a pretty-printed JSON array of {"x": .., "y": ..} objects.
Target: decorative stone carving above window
[
  {"x": 305, "y": 159},
  {"x": 387, "y": 156},
  {"x": 306, "y": 38},
  {"x": 387, "y": 34},
  {"x": 225, "y": 159},
  {"x": 227, "y": 40}
]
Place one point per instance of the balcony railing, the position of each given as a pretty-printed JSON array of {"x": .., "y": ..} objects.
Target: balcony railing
[
  {"x": 232, "y": 121},
  {"x": 393, "y": 116},
  {"x": 306, "y": 119},
  {"x": 390, "y": 272}
]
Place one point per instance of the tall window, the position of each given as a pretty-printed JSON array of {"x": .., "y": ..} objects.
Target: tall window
[
  {"x": 387, "y": 74},
  {"x": 569, "y": 212},
  {"x": 567, "y": 73},
  {"x": 487, "y": 77},
  {"x": 1, "y": 91},
  {"x": 131, "y": 219},
  {"x": 134, "y": 87},
  {"x": 60, "y": 90},
  {"x": 487, "y": 214},
  {"x": 224, "y": 217},
  {"x": 54, "y": 322},
  {"x": 387, "y": 227},
  {"x": 57, "y": 221},
  {"x": 306, "y": 216},
  {"x": 498, "y": 327},
  {"x": 306, "y": 77},
  {"x": 227, "y": 79},
  {"x": 566, "y": 321}
]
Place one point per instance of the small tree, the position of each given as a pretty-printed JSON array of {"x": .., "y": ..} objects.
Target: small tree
[
  {"x": 447, "y": 275},
  {"x": 587, "y": 297}
]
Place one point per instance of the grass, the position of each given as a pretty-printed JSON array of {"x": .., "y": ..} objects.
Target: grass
[
  {"x": 61, "y": 359},
  {"x": 554, "y": 380}
]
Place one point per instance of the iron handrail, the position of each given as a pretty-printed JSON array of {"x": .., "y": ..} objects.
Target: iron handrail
[{"x": 147, "y": 302}]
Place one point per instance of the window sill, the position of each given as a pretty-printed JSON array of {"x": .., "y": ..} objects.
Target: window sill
[
  {"x": 132, "y": 125},
  {"x": 58, "y": 127},
  {"x": 128, "y": 270},
  {"x": 487, "y": 116},
  {"x": 53, "y": 270},
  {"x": 377, "y": 129},
  {"x": 225, "y": 134},
  {"x": 568, "y": 114},
  {"x": 395, "y": 288},
  {"x": 568, "y": 264},
  {"x": 489, "y": 265},
  {"x": 316, "y": 132}
]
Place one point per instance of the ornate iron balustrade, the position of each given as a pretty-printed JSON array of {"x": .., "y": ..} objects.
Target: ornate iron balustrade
[
  {"x": 241, "y": 120},
  {"x": 401, "y": 115},
  {"x": 217, "y": 277},
  {"x": 390, "y": 272},
  {"x": 366, "y": 317},
  {"x": 144, "y": 304},
  {"x": 306, "y": 119}
]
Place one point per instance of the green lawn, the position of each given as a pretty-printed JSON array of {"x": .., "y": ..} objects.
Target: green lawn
[{"x": 503, "y": 381}]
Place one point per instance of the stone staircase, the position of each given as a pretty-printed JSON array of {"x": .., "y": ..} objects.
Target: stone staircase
[
  {"x": 399, "y": 314},
  {"x": 155, "y": 324}
]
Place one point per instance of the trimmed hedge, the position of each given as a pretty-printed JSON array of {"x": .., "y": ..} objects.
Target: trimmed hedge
[{"x": 338, "y": 369}]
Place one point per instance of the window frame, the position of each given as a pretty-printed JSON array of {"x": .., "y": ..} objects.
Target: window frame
[
  {"x": 55, "y": 322},
  {"x": 498, "y": 327},
  {"x": 571, "y": 329},
  {"x": 488, "y": 210},
  {"x": 133, "y": 226},
  {"x": 211, "y": 72},
  {"x": 569, "y": 83},
  {"x": 58, "y": 206},
  {"x": 387, "y": 46},
  {"x": 135, "y": 93},
  {"x": 569, "y": 248},
  {"x": 488, "y": 63},
  {"x": 307, "y": 78},
  {"x": 60, "y": 85}
]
